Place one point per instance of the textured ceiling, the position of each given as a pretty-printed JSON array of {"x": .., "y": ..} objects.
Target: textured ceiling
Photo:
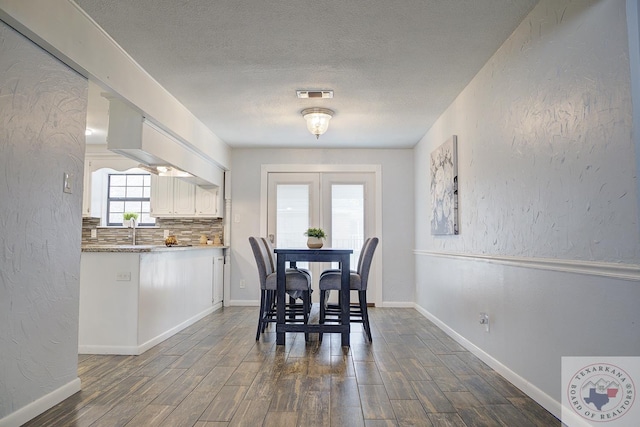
[{"x": 394, "y": 65}]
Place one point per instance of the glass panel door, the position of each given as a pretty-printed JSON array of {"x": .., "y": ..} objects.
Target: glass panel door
[{"x": 339, "y": 203}]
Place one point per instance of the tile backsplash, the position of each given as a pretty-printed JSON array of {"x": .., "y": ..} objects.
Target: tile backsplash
[{"x": 186, "y": 230}]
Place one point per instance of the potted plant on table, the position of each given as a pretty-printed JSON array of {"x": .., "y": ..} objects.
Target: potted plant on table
[
  {"x": 129, "y": 219},
  {"x": 315, "y": 237}
]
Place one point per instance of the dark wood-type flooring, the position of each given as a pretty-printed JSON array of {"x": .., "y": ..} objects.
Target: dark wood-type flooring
[{"x": 215, "y": 374}]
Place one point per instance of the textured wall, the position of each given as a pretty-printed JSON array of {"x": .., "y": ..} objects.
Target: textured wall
[
  {"x": 546, "y": 170},
  {"x": 546, "y": 159},
  {"x": 42, "y": 120}
]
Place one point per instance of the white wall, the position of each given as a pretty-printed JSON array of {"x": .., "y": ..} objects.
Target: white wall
[
  {"x": 397, "y": 213},
  {"x": 42, "y": 119},
  {"x": 549, "y": 240}
]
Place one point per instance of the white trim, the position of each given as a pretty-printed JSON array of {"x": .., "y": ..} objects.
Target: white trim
[
  {"x": 398, "y": 304},
  {"x": 242, "y": 303},
  {"x": 529, "y": 389},
  {"x": 629, "y": 272},
  {"x": 109, "y": 349},
  {"x": 376, "y": 169},
  {"x": 137, "y": 350},
  {"x": 41, "y": 405},
  {"x": 157, "y": 340},
  {"x": 633, "y": 32}
]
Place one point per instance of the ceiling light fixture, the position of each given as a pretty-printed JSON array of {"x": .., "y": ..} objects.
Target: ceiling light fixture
[
  {"x": 317, "y": 120},
  {"x": 162, "y": 170}
]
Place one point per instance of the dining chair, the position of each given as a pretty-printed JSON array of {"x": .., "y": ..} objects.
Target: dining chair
[
  {"x": 358, "y": 280},
  {"x": 297, "y": 283},
  {"x": 292, "y": 294}
]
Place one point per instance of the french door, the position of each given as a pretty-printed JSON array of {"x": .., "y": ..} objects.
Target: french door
[{"x": 342, "y": 204}]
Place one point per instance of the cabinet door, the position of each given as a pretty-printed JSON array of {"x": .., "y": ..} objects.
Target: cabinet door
[
  {"x": 161, "y": 195},
  {"x": 218, "y": 279},
  {"x": 206, "y": 202},
  {"x": 184, "y": 198},
  {"x": 86, "y": 191}
]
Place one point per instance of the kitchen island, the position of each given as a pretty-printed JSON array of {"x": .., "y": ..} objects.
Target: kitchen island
[{"x": 134, "y": 297}]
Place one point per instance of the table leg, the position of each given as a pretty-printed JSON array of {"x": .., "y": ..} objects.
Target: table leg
[
  {"x": 346, "y": 300},
  {"x": 280, "y": 300}
]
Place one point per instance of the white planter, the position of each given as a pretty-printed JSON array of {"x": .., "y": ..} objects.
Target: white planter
[{"x": 314, "y": 242}]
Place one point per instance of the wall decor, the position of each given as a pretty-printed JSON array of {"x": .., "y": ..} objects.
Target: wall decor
[{"x": 444, "y": 188}]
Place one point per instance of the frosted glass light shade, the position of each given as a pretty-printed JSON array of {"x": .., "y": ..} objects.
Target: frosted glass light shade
[{"x": 317, "y": 120}]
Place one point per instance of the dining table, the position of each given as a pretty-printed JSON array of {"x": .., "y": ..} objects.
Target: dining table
[{"x": 294, "y": 255}]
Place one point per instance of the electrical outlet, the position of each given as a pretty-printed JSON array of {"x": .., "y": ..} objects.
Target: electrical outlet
[
  {"x": 484, "y": 320},
  {"x": 166, "y": 233},
  {"x": 242, "y": 284},
  {"x": 94, "y": 233},
  {"x": 123, "y": 276}
]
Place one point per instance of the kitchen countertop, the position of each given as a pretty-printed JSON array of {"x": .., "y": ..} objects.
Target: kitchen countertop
[{"x": 146, "y": 248}]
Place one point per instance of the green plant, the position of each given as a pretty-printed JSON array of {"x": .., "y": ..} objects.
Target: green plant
[
  {"x": 129, "y": 215},
  {"x": 315, "y": 232}
]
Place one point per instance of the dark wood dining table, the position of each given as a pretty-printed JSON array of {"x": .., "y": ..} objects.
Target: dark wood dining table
[{"x": 295, "y": 255}]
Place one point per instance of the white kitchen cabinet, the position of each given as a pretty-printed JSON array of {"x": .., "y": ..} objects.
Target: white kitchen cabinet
[
  {"x": 184, "y": 198},
  {"x": 86, "y": 192},
  {"x": 161, "y": 195},
  {"x": 207, "y": 202},
  {"x": 171, "y": 197}
]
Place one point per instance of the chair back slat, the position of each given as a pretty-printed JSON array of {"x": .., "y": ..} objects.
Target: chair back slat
[
  {"x": 363, "y": 269},
  {"x": 362, "y": 252},
  {"x": 262, "y": 260},
  {"x": 272, "y": 255}
]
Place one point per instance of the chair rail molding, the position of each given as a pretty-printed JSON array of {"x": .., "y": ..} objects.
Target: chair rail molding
[{"x": 628, "y": 272}]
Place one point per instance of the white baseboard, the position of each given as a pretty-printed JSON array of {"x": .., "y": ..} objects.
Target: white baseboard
[
  {"x": 398, "y": 304},
  {"x": 137, "y": 350},
  {"x": 171, "y": 332},
  {"x": 256, "y": 303},
  {"x": 242, "y": 303},
  {"x": 529, "y": 389},
  {"x": 109, "y": 349},
  {"x": 40, "y": 405}
]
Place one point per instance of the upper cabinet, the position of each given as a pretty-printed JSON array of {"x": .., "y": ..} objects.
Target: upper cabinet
[
  {"x": 208, "y": 202},
  {"x": 97, "y": 159},
  {"x": 174, "y": 197}
]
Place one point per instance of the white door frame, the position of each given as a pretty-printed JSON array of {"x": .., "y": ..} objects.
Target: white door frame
[{"x": 320, "y": 168}]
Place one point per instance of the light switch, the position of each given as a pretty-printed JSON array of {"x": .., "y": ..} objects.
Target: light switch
[
  {"x": 123, "y": 276},
  {"x": 66, "y": 182},
  {"x": 94, "y": 233}
]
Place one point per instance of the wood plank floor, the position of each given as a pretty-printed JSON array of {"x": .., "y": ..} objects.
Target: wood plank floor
[{"x": 215, "y": 374}]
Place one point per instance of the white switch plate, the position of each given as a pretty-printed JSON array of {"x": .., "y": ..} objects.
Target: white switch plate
[
  {"x": 166, "y": 233},
  {"x": 94, "y": 233},
  {"x": 242, "y": 284},
  {"x": 66, "y": 182},
  {"x": 123, "y": 276}
]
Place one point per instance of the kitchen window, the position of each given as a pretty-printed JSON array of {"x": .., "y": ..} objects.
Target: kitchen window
[{"x": 129, "y": 193}]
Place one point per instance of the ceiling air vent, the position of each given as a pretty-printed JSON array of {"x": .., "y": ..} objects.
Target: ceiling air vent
[{"x": 304, "y": 94}]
